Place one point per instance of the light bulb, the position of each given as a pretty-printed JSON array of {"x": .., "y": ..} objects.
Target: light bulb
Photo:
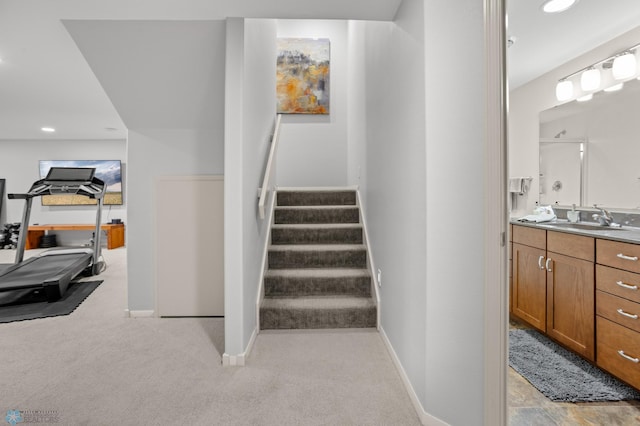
[
  {"x": 564, "y": 90},
  {"x": 590, "y": 79},
  {"x": 624, "y": 66},
  {"x": 554, "y": 6}
]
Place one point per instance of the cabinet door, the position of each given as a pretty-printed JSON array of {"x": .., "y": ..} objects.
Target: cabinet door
[
  {"x": 529, "y": 285},
  {"x": 571, "y": 303}
]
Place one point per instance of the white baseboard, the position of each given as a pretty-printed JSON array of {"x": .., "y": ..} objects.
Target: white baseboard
[
  {"x": 139, "y": 314},
  {"x": 240, "y": 359},
  {"x": 425, "y": 418}
]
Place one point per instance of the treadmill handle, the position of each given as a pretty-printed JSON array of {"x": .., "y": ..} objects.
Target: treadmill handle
[{"x": 18, "y": 196}]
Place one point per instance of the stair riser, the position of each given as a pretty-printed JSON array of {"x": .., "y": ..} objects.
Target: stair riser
[
  {"x": 317, "y": 198},
  {"x": 311, "y": 215},
  {"x": 317, "y": 259},
  {"x": 322, "y": 318},
  {"x": 316, "y": 286},
  {"x": 316, "y": 236}
]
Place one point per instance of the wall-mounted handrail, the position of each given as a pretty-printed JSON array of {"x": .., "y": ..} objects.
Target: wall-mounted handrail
[{"x": 264, "y": 190}]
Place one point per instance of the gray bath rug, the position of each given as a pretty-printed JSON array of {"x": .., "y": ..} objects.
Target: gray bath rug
[{"x": 561, "y": 375}]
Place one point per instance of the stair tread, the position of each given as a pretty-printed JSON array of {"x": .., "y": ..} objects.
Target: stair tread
[
  {"x": 316, "y": 226},
  {"x": 317, "y": 247},
  {"x": 319, "y": 302},
  {"x": 318, "y": 272},
  {"x": 318, "y": 207}
]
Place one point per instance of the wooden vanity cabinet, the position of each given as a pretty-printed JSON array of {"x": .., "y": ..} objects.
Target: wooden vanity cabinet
[
  {"x": 618, "y": 309},
  {"x": 529, "y": 289},
  {"x": 570, "y": 291},
  {"x": 553, "y": 285}
]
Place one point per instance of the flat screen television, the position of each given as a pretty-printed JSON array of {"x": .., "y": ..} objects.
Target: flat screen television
[{"x": 109, "y": 171}]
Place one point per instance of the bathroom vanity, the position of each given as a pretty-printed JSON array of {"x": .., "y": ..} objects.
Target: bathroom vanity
[{"x": 579, "y": 284}]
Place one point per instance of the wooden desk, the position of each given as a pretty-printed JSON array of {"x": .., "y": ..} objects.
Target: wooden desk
[{"x": 114, "y": 231}]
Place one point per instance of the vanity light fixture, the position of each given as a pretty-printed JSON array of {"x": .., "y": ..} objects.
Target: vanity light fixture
[
  {"x": 624, "y": 66},
  {"x": 555, "y": 6},
  {"x": 585, "y": 98}
]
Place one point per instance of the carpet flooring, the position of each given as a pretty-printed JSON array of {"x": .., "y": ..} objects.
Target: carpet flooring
[
  {"x": 561, "y": 375},
  {"x": 32, "y": 304}
]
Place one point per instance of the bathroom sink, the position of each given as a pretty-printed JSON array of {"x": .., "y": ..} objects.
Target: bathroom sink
[{"x": 585, "y": 226}]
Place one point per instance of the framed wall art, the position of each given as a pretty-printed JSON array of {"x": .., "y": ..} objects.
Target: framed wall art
[{"x": 303, "y": 71}]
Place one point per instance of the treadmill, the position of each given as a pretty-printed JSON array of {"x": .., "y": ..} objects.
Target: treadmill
[{"x": 53, "y": 270}]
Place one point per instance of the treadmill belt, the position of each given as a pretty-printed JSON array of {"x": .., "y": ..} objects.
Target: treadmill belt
[{"x": 36, "y": 271}]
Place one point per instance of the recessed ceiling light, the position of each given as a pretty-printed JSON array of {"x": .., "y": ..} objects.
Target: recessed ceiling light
[
  {"x": 555, "y": 6},
  {"x": 48, "y": 129}
]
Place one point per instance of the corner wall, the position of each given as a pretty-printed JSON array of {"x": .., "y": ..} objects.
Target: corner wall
[
  {"x": 249, "y": 118},
  {"x": 420, "y": 153}
]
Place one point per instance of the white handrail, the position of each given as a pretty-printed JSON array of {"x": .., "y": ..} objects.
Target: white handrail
[{"x": 268, "y": 170}]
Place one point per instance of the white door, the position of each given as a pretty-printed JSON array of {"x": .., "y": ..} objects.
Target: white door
[{"x": 189, "y": 244}]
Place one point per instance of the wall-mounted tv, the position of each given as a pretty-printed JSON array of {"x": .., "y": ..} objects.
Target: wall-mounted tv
[{"x": 109, "y": 171}]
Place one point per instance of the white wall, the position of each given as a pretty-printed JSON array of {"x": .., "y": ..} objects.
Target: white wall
[
  {"x": 153, "y": 153},
  {"x": 19, "y": 166},
  {"x": 527, "y": 101},
  {"x": 250, "y": 114},
  {"x": 313, "y": 148},
  {"x": 421, "y": 159}
]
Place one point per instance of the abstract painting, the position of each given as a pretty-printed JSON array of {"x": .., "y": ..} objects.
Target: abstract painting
[{"x": 303, "y": 67}]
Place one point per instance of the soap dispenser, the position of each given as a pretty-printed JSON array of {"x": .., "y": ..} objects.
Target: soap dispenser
[{"x": 573, "y": 215}]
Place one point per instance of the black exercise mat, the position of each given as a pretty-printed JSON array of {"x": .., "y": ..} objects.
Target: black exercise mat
[{"x": 32, "y": 304}]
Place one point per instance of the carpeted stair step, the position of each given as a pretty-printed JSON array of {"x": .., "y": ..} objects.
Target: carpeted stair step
[
  {"x": 317, "y": 256},
  {"x": 316, "y": 214},
  {"x": 317, "y": 282},
  {"x": 316, "y": 234},
  {"x": 317, "y": 312},
  {"x": 316, "y": 198}
]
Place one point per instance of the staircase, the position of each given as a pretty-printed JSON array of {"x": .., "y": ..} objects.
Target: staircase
[{"x": 317, "y": 273}]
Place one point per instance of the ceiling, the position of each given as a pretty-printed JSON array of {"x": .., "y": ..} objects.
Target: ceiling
[{"x": 45, "y": 80}]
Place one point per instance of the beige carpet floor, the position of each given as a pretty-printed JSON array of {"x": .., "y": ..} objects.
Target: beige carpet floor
[{"x": 96, "y": 367}]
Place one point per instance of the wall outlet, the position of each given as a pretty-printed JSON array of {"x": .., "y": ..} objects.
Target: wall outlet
[{"x": 379, "y": 278}]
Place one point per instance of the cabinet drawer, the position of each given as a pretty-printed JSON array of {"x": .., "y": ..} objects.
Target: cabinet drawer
[
  {"x": 619, "y": 310},
  {"x": 619, "y": 255},
  {"x": 616, "y": 281},
  {"x": 531, "y": 237},
  {"x": 615, "y": 343},
  {"x": 572, "y": 245}
]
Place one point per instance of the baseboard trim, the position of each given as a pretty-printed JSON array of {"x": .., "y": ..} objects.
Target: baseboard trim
[
  {"x": 425, "y": 418},
  {"x": 240, "y": 359},
  {"x": 139, "y": 314}
]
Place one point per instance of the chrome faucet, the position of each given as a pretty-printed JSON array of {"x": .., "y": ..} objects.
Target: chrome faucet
[{"x": 604, "y": 217}]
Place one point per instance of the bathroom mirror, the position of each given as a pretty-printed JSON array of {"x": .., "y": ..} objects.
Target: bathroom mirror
[{"x": 606, "y": 170}]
